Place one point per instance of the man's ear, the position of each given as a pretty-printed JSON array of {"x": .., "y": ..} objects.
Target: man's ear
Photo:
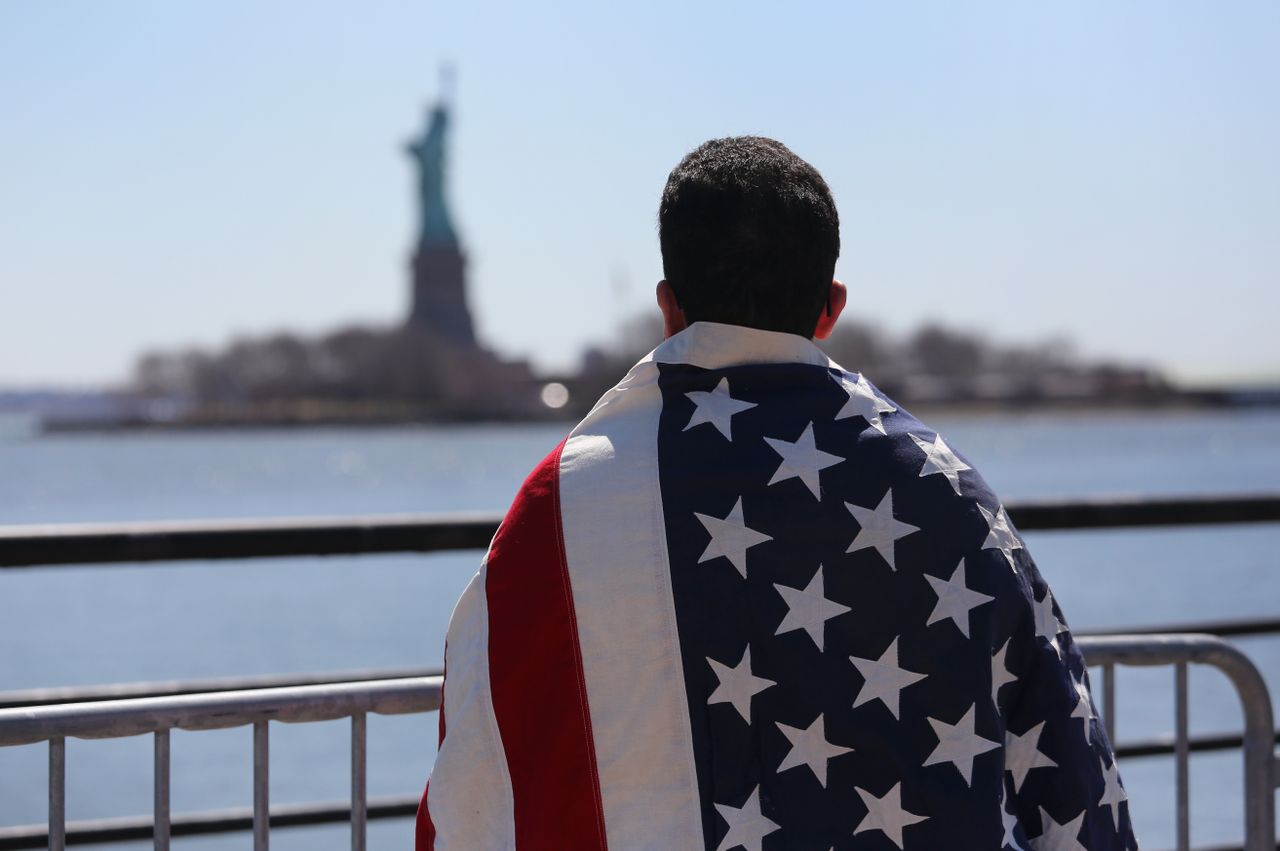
[
  {"x": 672, "y": 316},
  {"x": 836, "y": 298}
]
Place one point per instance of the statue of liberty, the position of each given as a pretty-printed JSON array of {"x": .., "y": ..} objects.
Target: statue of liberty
[
  {"x": 435, "y": 227},
  {"x": 439, "y": 263}
]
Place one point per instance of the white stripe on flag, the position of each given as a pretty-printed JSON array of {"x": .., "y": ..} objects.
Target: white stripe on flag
[
  {"x": 616, "y": 549},
  {"x": 469, "y": 798}
]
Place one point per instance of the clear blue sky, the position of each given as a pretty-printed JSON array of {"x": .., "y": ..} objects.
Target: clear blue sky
[{"x": 176, "y": 173}]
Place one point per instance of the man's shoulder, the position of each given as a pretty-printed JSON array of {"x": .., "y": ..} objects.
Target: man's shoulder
[
  {"x": 628, "y": 409},
  {"x": 931, "y": 482},
  {"x": 535, "y": 507},
  {"x": 931, "y": 452}
]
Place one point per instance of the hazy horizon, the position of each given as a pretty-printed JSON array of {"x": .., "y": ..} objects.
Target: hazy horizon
[{"x": 179, "y": 175}]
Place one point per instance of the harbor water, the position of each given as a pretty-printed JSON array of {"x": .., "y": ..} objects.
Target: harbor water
[{"x": 97, "y": 624}]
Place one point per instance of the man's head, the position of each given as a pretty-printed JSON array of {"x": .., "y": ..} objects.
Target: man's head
[{"x": 749, "y": 236}]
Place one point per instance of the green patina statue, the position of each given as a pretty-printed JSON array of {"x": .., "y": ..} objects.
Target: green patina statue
[{"x": 436, "y": 228}]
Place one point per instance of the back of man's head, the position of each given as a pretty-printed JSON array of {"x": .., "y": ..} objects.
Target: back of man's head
[{"x": 749, "y": 236}]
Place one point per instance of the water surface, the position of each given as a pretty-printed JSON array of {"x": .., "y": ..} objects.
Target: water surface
[{"x": 82, "y": 625}]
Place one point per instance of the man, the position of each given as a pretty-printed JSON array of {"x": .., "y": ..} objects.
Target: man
[{"x": 750, "y": 603}]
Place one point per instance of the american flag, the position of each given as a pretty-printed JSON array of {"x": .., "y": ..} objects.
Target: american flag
[{"x": 751, "y": 603}]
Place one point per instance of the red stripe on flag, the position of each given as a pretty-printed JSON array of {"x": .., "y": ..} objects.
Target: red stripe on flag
[
  {"x": 535, "y": 671},
  {"x": 425, "y": 831}
]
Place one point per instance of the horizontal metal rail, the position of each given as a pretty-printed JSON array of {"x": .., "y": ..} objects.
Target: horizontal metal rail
[
  {"x": 29, "y": 546},
  {"x": 229, "y": 820},
  {"x": 1157, "y": 746},
  {"x": 123, "y": 691},
  {"x": 238, "y": 820},
  {"x": 217, "y": 710},
  {"x": 1116, "y": 512},
  {"x": 232, "y": 820},
  {"x": 1223, "y": 628}
]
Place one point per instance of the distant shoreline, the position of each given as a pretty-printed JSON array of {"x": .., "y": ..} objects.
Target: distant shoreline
[{"x": 367, "y": 419}]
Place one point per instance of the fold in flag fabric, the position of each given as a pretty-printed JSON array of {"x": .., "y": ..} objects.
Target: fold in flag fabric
[{"x": 751, "y": 603}]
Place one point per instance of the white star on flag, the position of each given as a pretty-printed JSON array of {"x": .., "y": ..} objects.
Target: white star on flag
[
  {"x": 1022, "y": 754},
  {"x": 883, "y": 679},
  {"x": 808, "y": 609},
  {"x": 1000, "y": 674},
  {"x": 955, "y": 599},
  {"x": 886, "y": 814},
  {"x": 1009, "y": 821},
  {"x": 940, "y": 459},
  {"x": 863, "y": 402},
  {"x": 810, "y": 748},
  {"x": 1113, "y": 793},
  {"x": 730, "y": 537},
  {"x": 958, "y": 744},
  {"x": 1047, "y": 623},
  {"x": 801, "y": 460},
  {"x": 716, "y": 407},
  {"x": 1084, "y": 708},
  {"x": 1000, "y": 535},
  {"x": 1058, "y": 837},
  {"x": 879, "y": 528},
  {"x": 747, "y": 824},
  {"x": 737, "y": 685}
]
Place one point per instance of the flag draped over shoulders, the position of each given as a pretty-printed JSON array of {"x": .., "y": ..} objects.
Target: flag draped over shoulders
[{"x": 751, "y": 603}]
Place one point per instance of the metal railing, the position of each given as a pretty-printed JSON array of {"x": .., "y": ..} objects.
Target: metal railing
[
  {"x": 298, "y": 696},
  {"x": 1261, "y": 770},
  {"x": 159, "y": 715},
  {"x": 216, "y": 710}
]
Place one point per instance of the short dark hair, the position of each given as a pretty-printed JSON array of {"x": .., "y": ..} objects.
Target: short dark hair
[{"x": 749, "y": 236}]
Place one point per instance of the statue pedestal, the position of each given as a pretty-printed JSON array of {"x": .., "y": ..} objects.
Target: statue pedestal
[{"x": 439, "y": 294}]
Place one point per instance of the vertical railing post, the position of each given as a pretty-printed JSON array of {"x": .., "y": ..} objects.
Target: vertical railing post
[
  {"x": 1181, "y": 752},
  {"x": 161, "y": 778},
  {"x": 261, "y": 788},
  {"x": 358, "y": 784},
  {"x": 57, "y": 793}
]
